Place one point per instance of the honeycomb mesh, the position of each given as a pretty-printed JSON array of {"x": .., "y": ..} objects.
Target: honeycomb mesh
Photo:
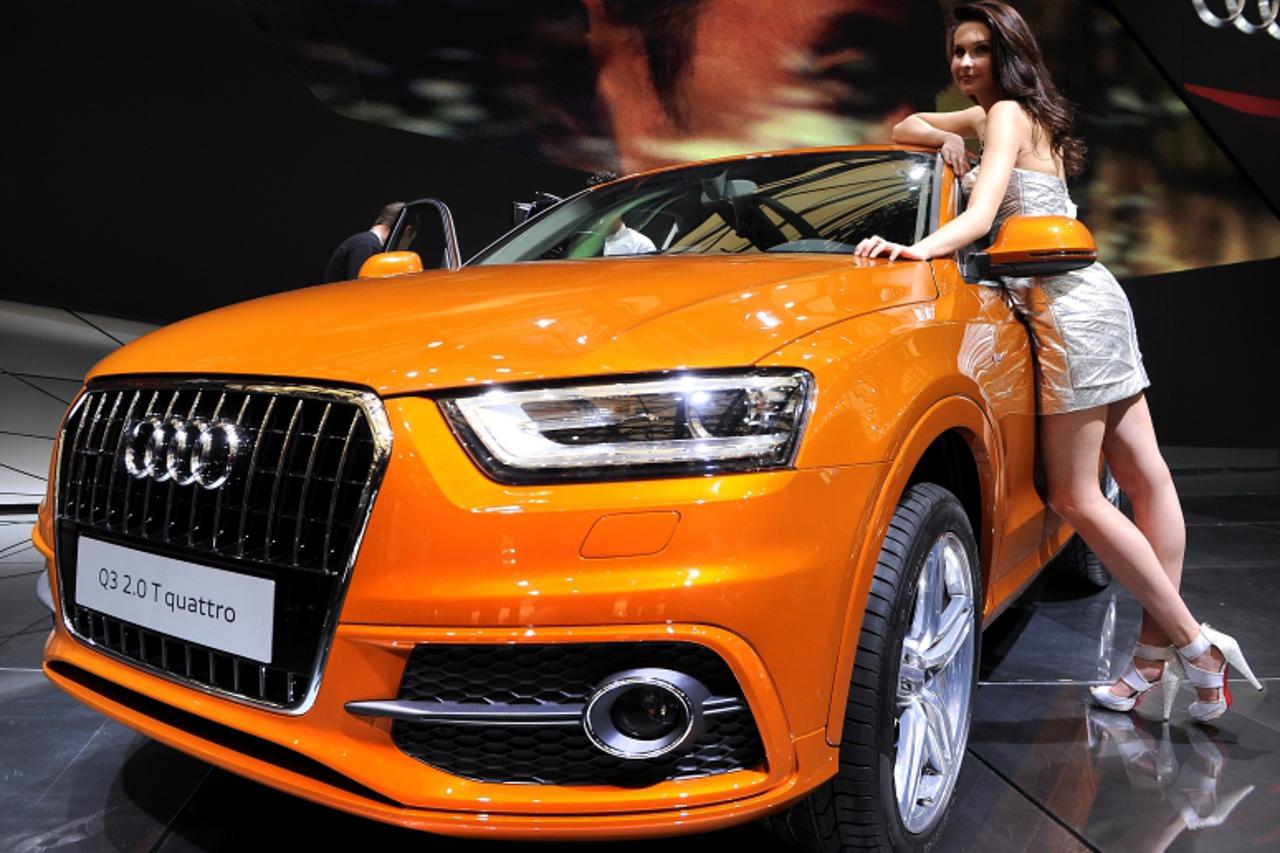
[{"x": 558, "y": 674}]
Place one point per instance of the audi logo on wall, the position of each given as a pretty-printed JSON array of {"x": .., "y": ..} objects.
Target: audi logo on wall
[
  {"x": 184, "y": 451},
  {"x": 1248, "y": 16}
]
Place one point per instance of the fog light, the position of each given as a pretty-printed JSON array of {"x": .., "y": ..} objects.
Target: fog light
[{"x": 645, "y": 713}]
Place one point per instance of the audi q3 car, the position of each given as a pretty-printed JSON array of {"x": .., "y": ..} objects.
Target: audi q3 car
[{"x": 568, "y": 543}]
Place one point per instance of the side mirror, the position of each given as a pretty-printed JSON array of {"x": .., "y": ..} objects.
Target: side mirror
[
  {"x": 1037, "y": 245},
  {"x": 386, "y": 264}
]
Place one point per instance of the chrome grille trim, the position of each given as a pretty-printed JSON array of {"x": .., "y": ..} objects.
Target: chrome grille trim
[
  {"x": 499, "y": 713},
  {"x": 217, "y": 505},
  {"x": 333, "y": 504},
  {"x": 271, "y": 517},
  {"x": 102, "y": 446},
  {"x": 149, "y": 488},
  {"x": 306, "y": 481},
  {"x": 111, "y": 484},
  {"x": 367, "y": 408},
  {"x": 286, "y": 451},
  {"x": 253, "y": 469},
  {"x": 195, "y": 496},
  {"x": 88, "y": 440},
  {"x": 173, "y": 486},
  {"x": 128, "y": 483}
]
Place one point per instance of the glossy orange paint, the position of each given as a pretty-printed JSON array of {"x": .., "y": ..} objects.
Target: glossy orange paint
[
  {"x": 1032, "y": 238},
  {"x": 386, "y": 264},
  {"x": 629, "y": 534},
  {"x": 550, "y": 319},
  {"x": 771, "y": 570}
]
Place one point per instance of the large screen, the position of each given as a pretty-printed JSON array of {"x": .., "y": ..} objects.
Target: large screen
[{"x": 633, "y": 84}]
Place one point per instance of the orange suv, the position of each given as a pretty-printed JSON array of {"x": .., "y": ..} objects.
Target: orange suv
[{"x": 661, "y": 514}]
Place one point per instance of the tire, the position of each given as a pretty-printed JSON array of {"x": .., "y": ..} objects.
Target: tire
[
  {"x": 1076, "y": 563},
  {"x": 858, "y": 809}
]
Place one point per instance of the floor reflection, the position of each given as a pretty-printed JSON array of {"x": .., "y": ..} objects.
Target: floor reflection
[
  {"x": 1171, "y": 793},
  {"x": 1045, "y": 771},
  {"x": 1131, "y": 781}
]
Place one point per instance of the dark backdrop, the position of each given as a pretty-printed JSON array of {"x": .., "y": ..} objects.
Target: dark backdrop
[
  {"x": 164, "y": 160},
  {"x": 169, "y": 161},
  {"x": 1210, "y": 341}
]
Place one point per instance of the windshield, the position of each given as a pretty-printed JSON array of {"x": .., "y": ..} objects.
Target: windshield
[{"x": 793, "y": 203}]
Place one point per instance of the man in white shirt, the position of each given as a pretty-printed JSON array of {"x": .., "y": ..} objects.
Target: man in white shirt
[{"x": 622, "y": 240}]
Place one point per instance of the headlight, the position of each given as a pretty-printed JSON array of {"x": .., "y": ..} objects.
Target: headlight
[{"x": 682, "y": 424}]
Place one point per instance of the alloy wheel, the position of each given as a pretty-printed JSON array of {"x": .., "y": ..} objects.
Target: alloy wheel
[{"x": 935, "y": 674}]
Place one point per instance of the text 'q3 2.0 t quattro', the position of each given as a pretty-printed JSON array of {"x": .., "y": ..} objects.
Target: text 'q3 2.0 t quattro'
[{"x": 568, "y": 543}]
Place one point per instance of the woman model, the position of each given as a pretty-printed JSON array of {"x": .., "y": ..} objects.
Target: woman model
[{"x": 1090, "y": 370}]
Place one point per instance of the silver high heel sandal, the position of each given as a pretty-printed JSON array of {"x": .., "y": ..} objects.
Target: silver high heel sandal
[
  {"x": 1168, "y": 681},
  {"x": 1200, "y": 710}
]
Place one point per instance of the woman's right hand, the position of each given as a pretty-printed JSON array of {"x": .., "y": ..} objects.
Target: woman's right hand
[{"x": 954, "y": 154}]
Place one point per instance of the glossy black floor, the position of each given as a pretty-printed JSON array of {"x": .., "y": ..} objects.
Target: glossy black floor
[{"x": 1044, "y": 772}]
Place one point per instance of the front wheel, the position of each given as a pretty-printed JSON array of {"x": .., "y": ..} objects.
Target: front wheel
[{"x": 907, "y": 718}]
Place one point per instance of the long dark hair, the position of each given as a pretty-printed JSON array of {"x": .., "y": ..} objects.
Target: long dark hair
[{"x": 1021, "y": 75}]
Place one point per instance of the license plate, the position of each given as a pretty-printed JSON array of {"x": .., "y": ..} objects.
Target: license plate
[{"x": 223, "y": 610}]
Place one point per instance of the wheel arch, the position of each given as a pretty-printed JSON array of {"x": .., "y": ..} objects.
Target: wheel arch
[
  {"x": 949, "y": 461},
  {"x": 954, "y": 445}
]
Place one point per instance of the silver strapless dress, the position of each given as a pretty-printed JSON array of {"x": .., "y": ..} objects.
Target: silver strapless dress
[{"x": 1082, "y": 328}]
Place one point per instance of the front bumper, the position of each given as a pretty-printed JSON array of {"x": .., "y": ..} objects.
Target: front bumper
[
  {"x": 758, "y": 568},
  {"x": 374, "y": 780}
]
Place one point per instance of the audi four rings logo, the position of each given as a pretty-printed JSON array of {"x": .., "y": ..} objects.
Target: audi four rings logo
[
  {"x": 1248, "y": 16},
  {"x": 185, "y": 451}
]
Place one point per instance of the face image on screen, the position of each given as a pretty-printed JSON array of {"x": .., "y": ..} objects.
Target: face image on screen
[{"x": 635, "y": 84}]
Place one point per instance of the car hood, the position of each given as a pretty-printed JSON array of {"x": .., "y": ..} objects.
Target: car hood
[{"x": 549, "y": 319}]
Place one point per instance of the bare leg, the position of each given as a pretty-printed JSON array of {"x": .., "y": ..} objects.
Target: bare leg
[
  {"x": 1130, "y": 448},
  {"x": 1072, "y": 443}
]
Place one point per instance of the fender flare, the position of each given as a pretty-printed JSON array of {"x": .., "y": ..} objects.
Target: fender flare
[{"x": 950, "y": 413}]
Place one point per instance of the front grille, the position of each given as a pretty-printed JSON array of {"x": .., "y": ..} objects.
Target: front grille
[
  {"x": 294, "y": 500},
  {"x": 558, "y": 674},
  {"x": 193, "y": 662},
  {"x": 292, "y": 510}
]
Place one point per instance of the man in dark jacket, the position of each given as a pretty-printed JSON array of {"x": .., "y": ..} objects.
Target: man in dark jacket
[{"x": 355, "y": 250}]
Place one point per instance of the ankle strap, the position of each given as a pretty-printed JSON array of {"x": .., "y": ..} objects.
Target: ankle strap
[
  {"x": 1195, "y": 648},
  {"x": 1148, "y": 652},
  {"x": 1135, "y": 679},
  {"x": 1202, "y": 677}
]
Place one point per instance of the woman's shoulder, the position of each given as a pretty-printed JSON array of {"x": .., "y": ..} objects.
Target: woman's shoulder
[
  {"x": 1008, "y": 110},
  {"x": 1009, "y": 118}
]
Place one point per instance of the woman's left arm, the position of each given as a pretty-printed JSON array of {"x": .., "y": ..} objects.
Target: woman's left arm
[{"x": 1006, "y": 128}]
